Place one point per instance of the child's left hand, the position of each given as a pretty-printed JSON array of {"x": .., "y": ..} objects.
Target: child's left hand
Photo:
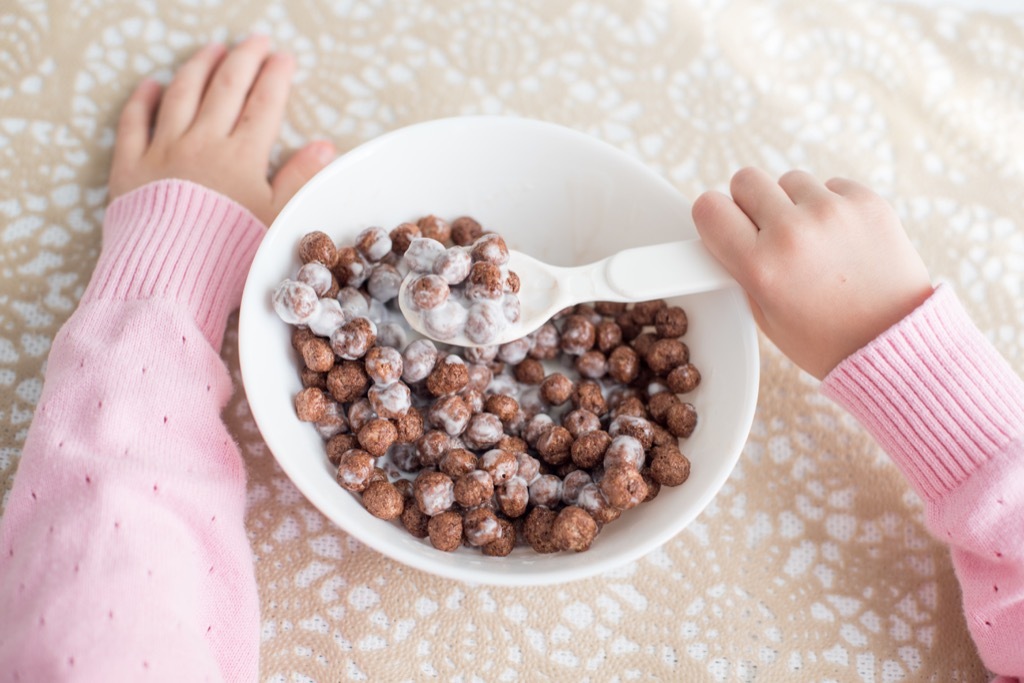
[{"x": 215, "y": 125}]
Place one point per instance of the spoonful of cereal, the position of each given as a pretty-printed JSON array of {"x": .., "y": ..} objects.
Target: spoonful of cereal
[{"x": 488, "y": 294}]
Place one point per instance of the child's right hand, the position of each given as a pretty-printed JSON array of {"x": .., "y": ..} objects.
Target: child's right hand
[
  {"x": 827, "y": 266},
  {"x": 215, "y": 125}
]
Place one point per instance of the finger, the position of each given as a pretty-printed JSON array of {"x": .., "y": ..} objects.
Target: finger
[
  {"x": 802, "y": 187},
  {"x": 181, "y": 98},
  {"x": 133, "y": 128},
  {"x": 727, "y": 231},
  {"x": 261, "y": 116},
  {"x": 850, "y": 189},
  {"x": 760, "y": 197},
  {"x": 297, "y": 171},
  {"x": 230, "y": 86}
]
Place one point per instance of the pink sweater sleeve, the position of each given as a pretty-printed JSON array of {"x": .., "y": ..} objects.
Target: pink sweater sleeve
[
  {"x": 123, "y": 553},
  {"x": 950, "y": 411}
]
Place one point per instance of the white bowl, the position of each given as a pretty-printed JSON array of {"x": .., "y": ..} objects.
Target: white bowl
[{"x": 555, "y": 194}]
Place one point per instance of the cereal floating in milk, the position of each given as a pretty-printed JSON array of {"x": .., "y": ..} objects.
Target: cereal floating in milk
[{"x": 540, "y": 441}]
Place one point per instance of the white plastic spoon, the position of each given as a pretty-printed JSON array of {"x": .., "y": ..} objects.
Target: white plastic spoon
[{"x": 638, "y": 274}]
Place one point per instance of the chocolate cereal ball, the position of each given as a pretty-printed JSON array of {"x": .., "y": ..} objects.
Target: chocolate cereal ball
[
  {"x": 381, "y": 499},
  {"x": 414, "y": 520},
  {"x": 428, "y": 292},
  {"x": 573, "y": 529},
  {"x": 610, "y": 308},
  {"x": 637, "y": 427},
  {"x": 445, "y": 530},
  {"x": 500, "y": 464},
  {"x": 473, "y": 488},
  {"x": 480, "y": 526},
  {"x": 353, "y": 339},
  {"x": 317, "y": 355},
  {"x": 529, "y": 371},
  {"x": 465, "y": 231},
  {"x": 435, "y": 228},
  {"x": 554, "y": 445},
  {"x": 644, "y": 312},
  {"x": 588, "y": 396},
  {"x": 376, "y": 436},
  {"x": 390, "y": 400},
  {"x": 351, "y": 268},
  {"x": 484, "y": 431},
  {"x": 485, "y": 281},
  {"x": 319, "y": 247},
  {"x": 642, "y": 343},
  {"x": 666, "y": 354},
  {"x": 490, "y": 248},
  {"x": 580, "y": 422},
  {"x": 683, "y": 379},
  {"x": 432, "y": 446},
  {"x": 624, "y": 450},
  {"x": 608, "y": 336},
  {"x": 514, "y": 497},
  {"x": 546, "y": 491},
  {"x": 623, "y": 486},
  {"x": 545, "y": 342},
  {"x": 310, "y": 378},
  {"x": 409, "y": 426},
  {"x": 449, "y": 376},
  {"x": 406, "y": 458},
  {"x": 681, "y": 419},
  {"x": 592, "y": 364},
  {"x": 537, "y": 530},
  {"x": 556, "y": 389},
  {"x": 589, "y": 450},
  {"x": 449, "y": 413},
  {"x": 659, "y": 403},
  {"x": 418, "y": 360},
  {"x": 402, "y": 235},
  {"x": 669, "y": 466},
  {"x": 355, "y": 470},
  {"x": 578, "y": 335},
  {"x": 593, "y": 500},
  {"x": 311, "y": 404},
  {"x": 624, "y": 364},
  {"x": 338, "y": 444},
  {"x": 373, "y": 243},
  {"x": 670, "y": 322},
  {"x": 505, "y": 543},
  {"x": 453, "y": 266},
  {"x": 347, "y": 381},
  {"x": 505, "y": 407},
  {"x": 457, "y": 462},
  {"x": 434, "y": 492}
]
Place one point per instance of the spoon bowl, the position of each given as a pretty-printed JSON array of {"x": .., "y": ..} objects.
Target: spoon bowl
[{"x": 638, "y": 274}]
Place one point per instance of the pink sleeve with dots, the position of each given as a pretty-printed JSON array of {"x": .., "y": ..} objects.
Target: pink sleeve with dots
[
  {"x": 950, "y": 411},
  {"x": 123, "y": 553}
]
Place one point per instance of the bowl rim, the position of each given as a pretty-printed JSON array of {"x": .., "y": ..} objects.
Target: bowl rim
[{"x": 469, "y": 572}]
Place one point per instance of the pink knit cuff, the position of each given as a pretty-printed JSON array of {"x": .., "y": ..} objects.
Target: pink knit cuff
[
  {"x": 178, "y": 241},
  {"x": 934, "y": 393}
]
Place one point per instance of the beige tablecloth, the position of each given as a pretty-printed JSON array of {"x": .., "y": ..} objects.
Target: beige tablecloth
[{"x": 813, "y": 563}]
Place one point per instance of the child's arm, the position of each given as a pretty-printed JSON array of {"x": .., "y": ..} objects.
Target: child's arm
[
  {"x": 835, "y": 283},
  {"x": 123, "y": 553}
]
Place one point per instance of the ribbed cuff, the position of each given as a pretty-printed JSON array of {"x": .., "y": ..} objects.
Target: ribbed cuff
[
  {"x": 934, "y": 393},
  {"x": 179, "y": 241}
]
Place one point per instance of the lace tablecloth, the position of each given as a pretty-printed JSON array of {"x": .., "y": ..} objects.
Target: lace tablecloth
[{"x": 813, "y": 562}]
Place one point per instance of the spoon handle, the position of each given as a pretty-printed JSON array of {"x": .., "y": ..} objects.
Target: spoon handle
[{"x": 664, "y": 270}]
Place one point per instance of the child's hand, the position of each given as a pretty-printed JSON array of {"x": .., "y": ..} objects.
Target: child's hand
[
  {"x": 827, "y": 266},
  {"x": 215, "y": 125}
]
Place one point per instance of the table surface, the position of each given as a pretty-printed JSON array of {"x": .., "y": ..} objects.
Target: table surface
[{"x": 813, "y": 562}]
